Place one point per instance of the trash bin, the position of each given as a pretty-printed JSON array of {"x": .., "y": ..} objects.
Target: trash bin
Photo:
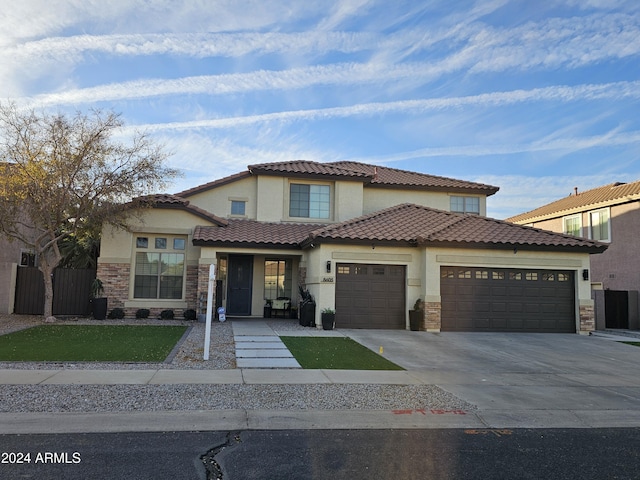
[
  {"x": 308, "y": 314},
  {"x": 267, "y": 311}
]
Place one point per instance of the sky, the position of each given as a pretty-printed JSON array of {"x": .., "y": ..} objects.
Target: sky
[{"x": 535, "y": 97}]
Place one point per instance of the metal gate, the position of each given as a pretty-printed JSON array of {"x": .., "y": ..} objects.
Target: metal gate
[{"x": 71, "y": 291}]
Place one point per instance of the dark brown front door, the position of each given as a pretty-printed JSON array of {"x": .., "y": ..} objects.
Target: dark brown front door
[
  {"x": 370, "y": 296},
  {"x": 239, "y": 283},
  {"x": 507, "y": 300}
]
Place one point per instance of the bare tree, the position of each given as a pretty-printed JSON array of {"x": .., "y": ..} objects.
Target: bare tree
[{"x": 62, "y": 175}]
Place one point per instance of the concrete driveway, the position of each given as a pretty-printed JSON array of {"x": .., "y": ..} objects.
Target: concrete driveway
[{"x": 523, "y": 380}]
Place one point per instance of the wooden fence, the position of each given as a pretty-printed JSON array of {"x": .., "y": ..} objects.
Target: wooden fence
[{"x": 71, "y": 290}]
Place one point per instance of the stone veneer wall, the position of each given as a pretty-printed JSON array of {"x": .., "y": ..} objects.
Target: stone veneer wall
[
  {"x": 202, "y": 289},
  {"x": 432, "y": 316},
  {"x": 191, "y": 287},
  {"x": 587, "y": 319},
  {"x": 115, "y": 280}
]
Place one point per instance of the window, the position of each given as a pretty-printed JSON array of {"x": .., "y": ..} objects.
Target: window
[
  {"x": 599, "y": 225},
  {"x": 159, "y": 274},
  {"x": 238, "y": 207},
  {"x": 573, "y": 225},
  {"x": 277, "y": 278},
  {"x": 309, "y": 201},
  {"x": 27, "y": 259},
  {"x": 142, "y": 242},
  {"x": 465, "y": 205}
]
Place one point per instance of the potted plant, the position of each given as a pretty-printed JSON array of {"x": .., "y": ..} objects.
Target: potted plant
[
  {"x": 98, "y": 302},
  {"x": 328, "y": 316},
  {"x": 416, "y": 316}
]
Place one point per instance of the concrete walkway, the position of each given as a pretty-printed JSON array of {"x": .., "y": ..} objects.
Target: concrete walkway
[{"x": 258, "y": 345}]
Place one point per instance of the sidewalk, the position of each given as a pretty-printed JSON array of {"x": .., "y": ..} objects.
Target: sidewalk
[{"x": 513, "y": 380}]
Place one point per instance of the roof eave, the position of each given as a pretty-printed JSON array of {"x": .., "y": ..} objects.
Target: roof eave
[
  {"x": 590, "y": 249},
  {"x": 434, "y": 188}
]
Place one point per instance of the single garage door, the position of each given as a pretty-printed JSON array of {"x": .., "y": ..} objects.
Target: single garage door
[
  {"x": 507, "y": 300},
  {"x": 370, "y": 296}
]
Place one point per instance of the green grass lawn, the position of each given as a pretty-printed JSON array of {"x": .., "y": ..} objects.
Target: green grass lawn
[
  {"x": 90, "y": 343},
  {"x": 335, "y": 353},
  {"x": 636, "y": 344}
]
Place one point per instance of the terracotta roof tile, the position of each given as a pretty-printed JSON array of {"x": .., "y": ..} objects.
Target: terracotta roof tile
[
  {"x": 165, "y": 200},
  {"x": 393, "y": 177},
  {"x": 306, "y": 168},
  {"x": 411, "y": 224},
  {"x": 214, "y": 184},
  {"x": 611, "y": 194},
  {"x": 369, "y": 174},
  {"x": 251, "y": 233}
]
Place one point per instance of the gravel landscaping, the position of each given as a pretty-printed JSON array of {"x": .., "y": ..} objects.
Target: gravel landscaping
[{"x": 188, "y": 355}]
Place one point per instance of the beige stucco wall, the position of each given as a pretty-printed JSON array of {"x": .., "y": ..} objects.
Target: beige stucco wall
[
  {"x": 379, "y": 198},
  {"x": 322, "y": 284},
  {"x": 218, "y": 200},
  {"x": 118, "y": 246},
  {"x": 423, "y": 268}
]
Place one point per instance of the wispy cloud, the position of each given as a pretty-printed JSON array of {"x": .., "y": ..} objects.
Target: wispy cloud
[
  {"x": 611, "y": 91},
  {"x": 560, "y": 144}
]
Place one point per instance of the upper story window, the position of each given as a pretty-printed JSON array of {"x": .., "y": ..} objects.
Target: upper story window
[
  {"x": 599, "y": 225},
  {"x": 309, "y": 201},
  {"x": 238, "y": 207},
  {"x": 572, "y": 225},
  {"x": 159, "y": 271},
  {"x": 465, "y": 205}
]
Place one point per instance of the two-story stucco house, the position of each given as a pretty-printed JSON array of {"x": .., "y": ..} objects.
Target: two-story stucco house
[
  {"x": 609, "y": 214},
  {"x": 367, "y": 241}
]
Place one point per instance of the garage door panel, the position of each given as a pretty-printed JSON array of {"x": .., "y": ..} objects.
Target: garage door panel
[
  {"x": 370, "y": 296},
  {"x": 519, "y": 300}
]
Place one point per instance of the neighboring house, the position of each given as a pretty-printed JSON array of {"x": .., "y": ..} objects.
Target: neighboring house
[
  {"x": 609, "y": 214},
  {"x": 368, "y": 241},
  {"x": 13, "y": 255}
]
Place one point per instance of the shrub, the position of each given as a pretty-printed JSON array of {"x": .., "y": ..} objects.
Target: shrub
[
  {"x": 190, "y": 314},
  {"x": 166, "y": 314},
  {"x": 143, "y": 313},
  {"x": 116, "y": 313}
]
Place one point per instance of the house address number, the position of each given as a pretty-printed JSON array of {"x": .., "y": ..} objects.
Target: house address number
[{"x": 327, "y": 279}]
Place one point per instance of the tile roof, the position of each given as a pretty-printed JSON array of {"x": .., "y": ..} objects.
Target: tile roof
[
  {"x": 169, "y": 201},
  {"x": 612, "y": 194},
  {"x": 402, "y": 225},
  {"x": 393, "y": 177},
  {"x": 371, "y": 175},
  {"x": 410, "y": 224},
  {"x": 216, "y": 183},
  {"x": 251, "y": 233},
  {"x": 307, "y": 168}
]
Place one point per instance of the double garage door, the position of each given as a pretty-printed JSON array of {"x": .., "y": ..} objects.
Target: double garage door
[
  {"x": 370, "y": 296},
  {"x": 507, "y": 300}
]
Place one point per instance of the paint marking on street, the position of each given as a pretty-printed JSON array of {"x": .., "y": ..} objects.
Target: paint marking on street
[
  {"x": 490, "y": 431},
  {"x": 423, "y": 411}
]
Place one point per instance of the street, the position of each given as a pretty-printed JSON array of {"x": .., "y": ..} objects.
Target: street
[{"x": 336, "y": 454}]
